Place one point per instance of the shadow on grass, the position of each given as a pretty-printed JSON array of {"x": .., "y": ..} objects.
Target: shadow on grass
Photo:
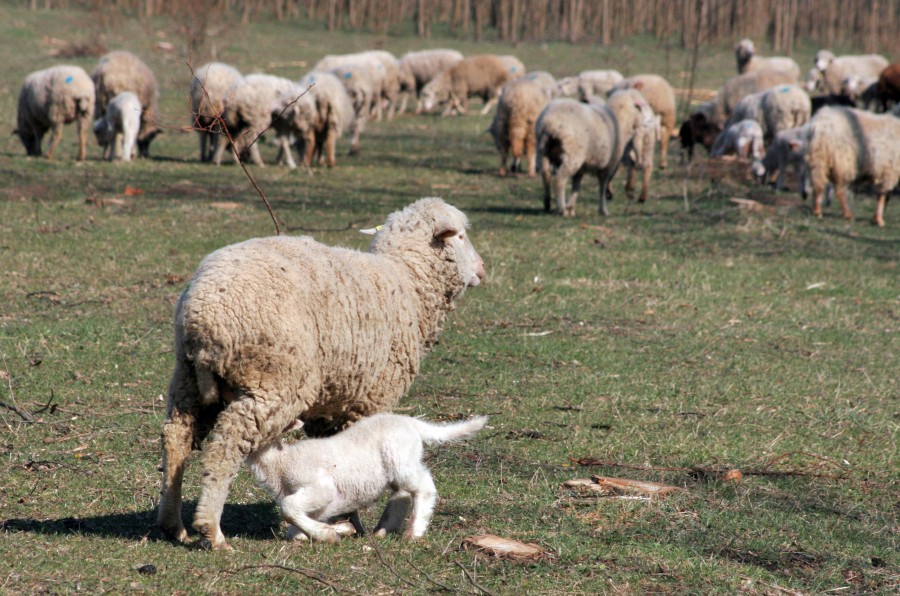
[{"x": 257, "y": 521}]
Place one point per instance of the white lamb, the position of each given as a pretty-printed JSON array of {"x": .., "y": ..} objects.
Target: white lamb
[
  {"x": 316, "y": 480},
  {"x": 787, "y": 149},
  {"x": 744, "y": 138},
  {"x": 118, "y": 130}
]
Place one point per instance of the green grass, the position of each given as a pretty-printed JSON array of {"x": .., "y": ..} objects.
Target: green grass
[{"x": 684, "y": 333}]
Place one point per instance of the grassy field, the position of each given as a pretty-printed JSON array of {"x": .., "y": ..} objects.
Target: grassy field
[{"x": 667, "y": 342}]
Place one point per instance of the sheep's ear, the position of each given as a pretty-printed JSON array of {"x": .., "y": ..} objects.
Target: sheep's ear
[
  {"x": 444, "y": 230},
  {"x": 295, "y": 424},
  {"x": 638, "y": 85}
]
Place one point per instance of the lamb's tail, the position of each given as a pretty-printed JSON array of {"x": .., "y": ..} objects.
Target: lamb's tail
[{"x": 448, "y": 432}]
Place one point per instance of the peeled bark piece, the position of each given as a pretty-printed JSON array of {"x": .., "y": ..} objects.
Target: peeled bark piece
[
  {"x": 628, "y": 486},
  {"x": 504, "y": 547}
]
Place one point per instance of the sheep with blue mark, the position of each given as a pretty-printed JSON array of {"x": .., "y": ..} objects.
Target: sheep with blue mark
[{"x": 50, "y": 99}]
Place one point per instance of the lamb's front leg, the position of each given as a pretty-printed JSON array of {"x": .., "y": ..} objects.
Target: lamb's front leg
[{"x": 295, "y": 508}]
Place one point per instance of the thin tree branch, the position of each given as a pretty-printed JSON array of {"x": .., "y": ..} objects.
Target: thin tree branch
[
  {"x": 310, "y": 573},
  {"x": 472, "y": 580}
]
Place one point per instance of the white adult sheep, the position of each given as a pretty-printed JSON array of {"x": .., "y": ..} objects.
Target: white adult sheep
[
  {"x": 482, "y": 75},
  {"x": 50, "y": 99},
  {"x": 513, "y": 126},
  {"x": 740, "y": 86},
  {"x": 861, "y": 89},
  {"x": 596, "y": 82},
  {"x": 775, "y": 109},
  {"x": 274, "y": 329},
  {"x": 382, "y": 63},
  {"x": 316, "y": 480},
  {"x": 748, "y": 61},
  {"x": 788, "y": 150},
  {"x": 418, "y": 68},
  {"x": 248, "y": 113},
  {"x": 574, "y": 138},
  {"x": 210, "y": 87},
  {"x": 117, "y": 131},
  {"x": 661, "y": 97},
  {"x": 120, "y": 71},
  {"x": 364, "y": 90},
  {"x": 848, "y": 145},
  {"x": 835, "y": 69},
  {"x": 743, "y": 138}
]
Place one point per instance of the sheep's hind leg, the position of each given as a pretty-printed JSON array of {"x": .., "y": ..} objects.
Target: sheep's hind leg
[
  {"x": 576, "y": 188},
  {"x": 241, "y": 428},
  {"x": 878, "y": 220},
  {"x": 177, "y": 435}
]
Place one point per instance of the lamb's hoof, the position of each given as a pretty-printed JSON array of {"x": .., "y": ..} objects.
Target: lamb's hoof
[
  {"x": 380, "y": 533},
  {"x": 344, "y": 528}
]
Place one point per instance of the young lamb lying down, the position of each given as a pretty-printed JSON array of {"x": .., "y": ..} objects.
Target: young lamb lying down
[
  {"x": 274, "y": 329},
  {"x": 317, "y": 480}
]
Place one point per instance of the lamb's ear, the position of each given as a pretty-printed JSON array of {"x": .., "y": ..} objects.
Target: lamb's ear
[{"x": 444, "y": 229}]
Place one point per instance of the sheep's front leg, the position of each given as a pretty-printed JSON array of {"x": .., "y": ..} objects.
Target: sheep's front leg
[
  {"x": 545, "y": 178},
  {"x": 330, "y": 147},
  {"x": 424, "y": 499},
  {"x": 629, "y": 183},
  {"x": 84, "y": 125},
  {"x": 841, "y": 191},
  {"x": 645, "y": 182},
  {"x": 394, "y": 513}
]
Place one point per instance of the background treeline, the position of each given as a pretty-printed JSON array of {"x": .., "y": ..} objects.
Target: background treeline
[{"x": 871, "y": 25}]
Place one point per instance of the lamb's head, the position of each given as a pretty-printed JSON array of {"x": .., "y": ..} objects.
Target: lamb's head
[
  {"x": 823, "y": 59},
  {"x": 430, "y": 232},
  {"x": 104, "y": 132},
  {"x": 631, "y": 110},
  {"x": 743, "y": 51},
  {"x": 436, "y": 91}
]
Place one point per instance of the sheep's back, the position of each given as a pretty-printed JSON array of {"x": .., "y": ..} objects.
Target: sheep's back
[{"x": 282, "y": 313}]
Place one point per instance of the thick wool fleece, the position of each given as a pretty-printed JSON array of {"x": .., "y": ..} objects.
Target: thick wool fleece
[
  {"x": 51, "y": 98},
  {"x": 273, "y": 329},
  {"x": 120, "y": 71},
  {"x": 513, "y": 126}
]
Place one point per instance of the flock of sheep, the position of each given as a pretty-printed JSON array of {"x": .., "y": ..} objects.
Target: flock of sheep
[{"x": 563, "y": 128}]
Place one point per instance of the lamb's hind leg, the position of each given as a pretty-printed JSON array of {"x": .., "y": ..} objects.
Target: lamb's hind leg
[
  {"x": 424, "y": 498},
  {"x": 242, "y": 427},
  {"x": 177, "y": 434}
]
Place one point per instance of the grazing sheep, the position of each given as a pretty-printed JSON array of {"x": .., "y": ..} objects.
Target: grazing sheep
[
  {"x": 210, "y": 87},
  {"x": 699, "y": 128},
  {"x": 316, "y": 480},
  {"x": 513, "y": 126},
  {"x": 820, "y": 101},
  {"x": 848, "y": 145},
  {"x": 248, "y": 113},
  {"x": 383, "y": 65},
  {"x": 661, "y": 97},
  {"x": 814, "y": 81},
  {"x": 596, "y": 82},
  {"x": 835, "y": 69},
  {"x": 120, "y": 71},
  {"x": 418, "y": 68},
  {"x": 740, "y": 86},
  {"x": 887, "y": 88},
  {"x": 274, "y": 329},
  {"x": 118, "y": 129},
  {"x": 481, "y": 75},
  {"x": 364, "y": 90},
  {"x": 861, "y": 89},
  {"x": 743, "y": 138},
  {"x": 50, "y": 99},
  {"x": 787, "y": 150},
  {"x": 639, "y": 155},
  {"x": 319, "y": 129},
  {"x": 778, "y": 108},
  {"x": 748, "y": 60},
  {"x": 574, "y": 138}
]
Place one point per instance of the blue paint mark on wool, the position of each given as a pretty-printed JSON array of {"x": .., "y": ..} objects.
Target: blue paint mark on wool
[
  {"x": 69, "y": 79},
  {"x": 348, "y": 75}
]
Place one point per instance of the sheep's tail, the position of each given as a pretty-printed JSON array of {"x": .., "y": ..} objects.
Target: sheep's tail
[{"x": 448, "y": 432}]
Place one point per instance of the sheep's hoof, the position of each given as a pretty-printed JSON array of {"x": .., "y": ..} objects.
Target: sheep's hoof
[
  {"x": 380, "y": 533},
  {"x": 175, "y": 533},
  {"x": 344, "y": 528},
  {"x": 877, "y": 221},
  {"x": 207, "y": 544}
]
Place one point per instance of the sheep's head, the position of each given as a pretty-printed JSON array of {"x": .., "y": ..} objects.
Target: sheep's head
[
  {"x": 823, "y": 59},
  {"x": 297, "y": 108},
  {"x": 436, "y": 91},
  {"x": 103, "y": 132},
  {"x": 631, "y": 110}
]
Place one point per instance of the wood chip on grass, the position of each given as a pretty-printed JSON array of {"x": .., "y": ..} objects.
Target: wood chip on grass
[
  {"x": 620, "y": 487},
  {"x": 504, "y": 548}
]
